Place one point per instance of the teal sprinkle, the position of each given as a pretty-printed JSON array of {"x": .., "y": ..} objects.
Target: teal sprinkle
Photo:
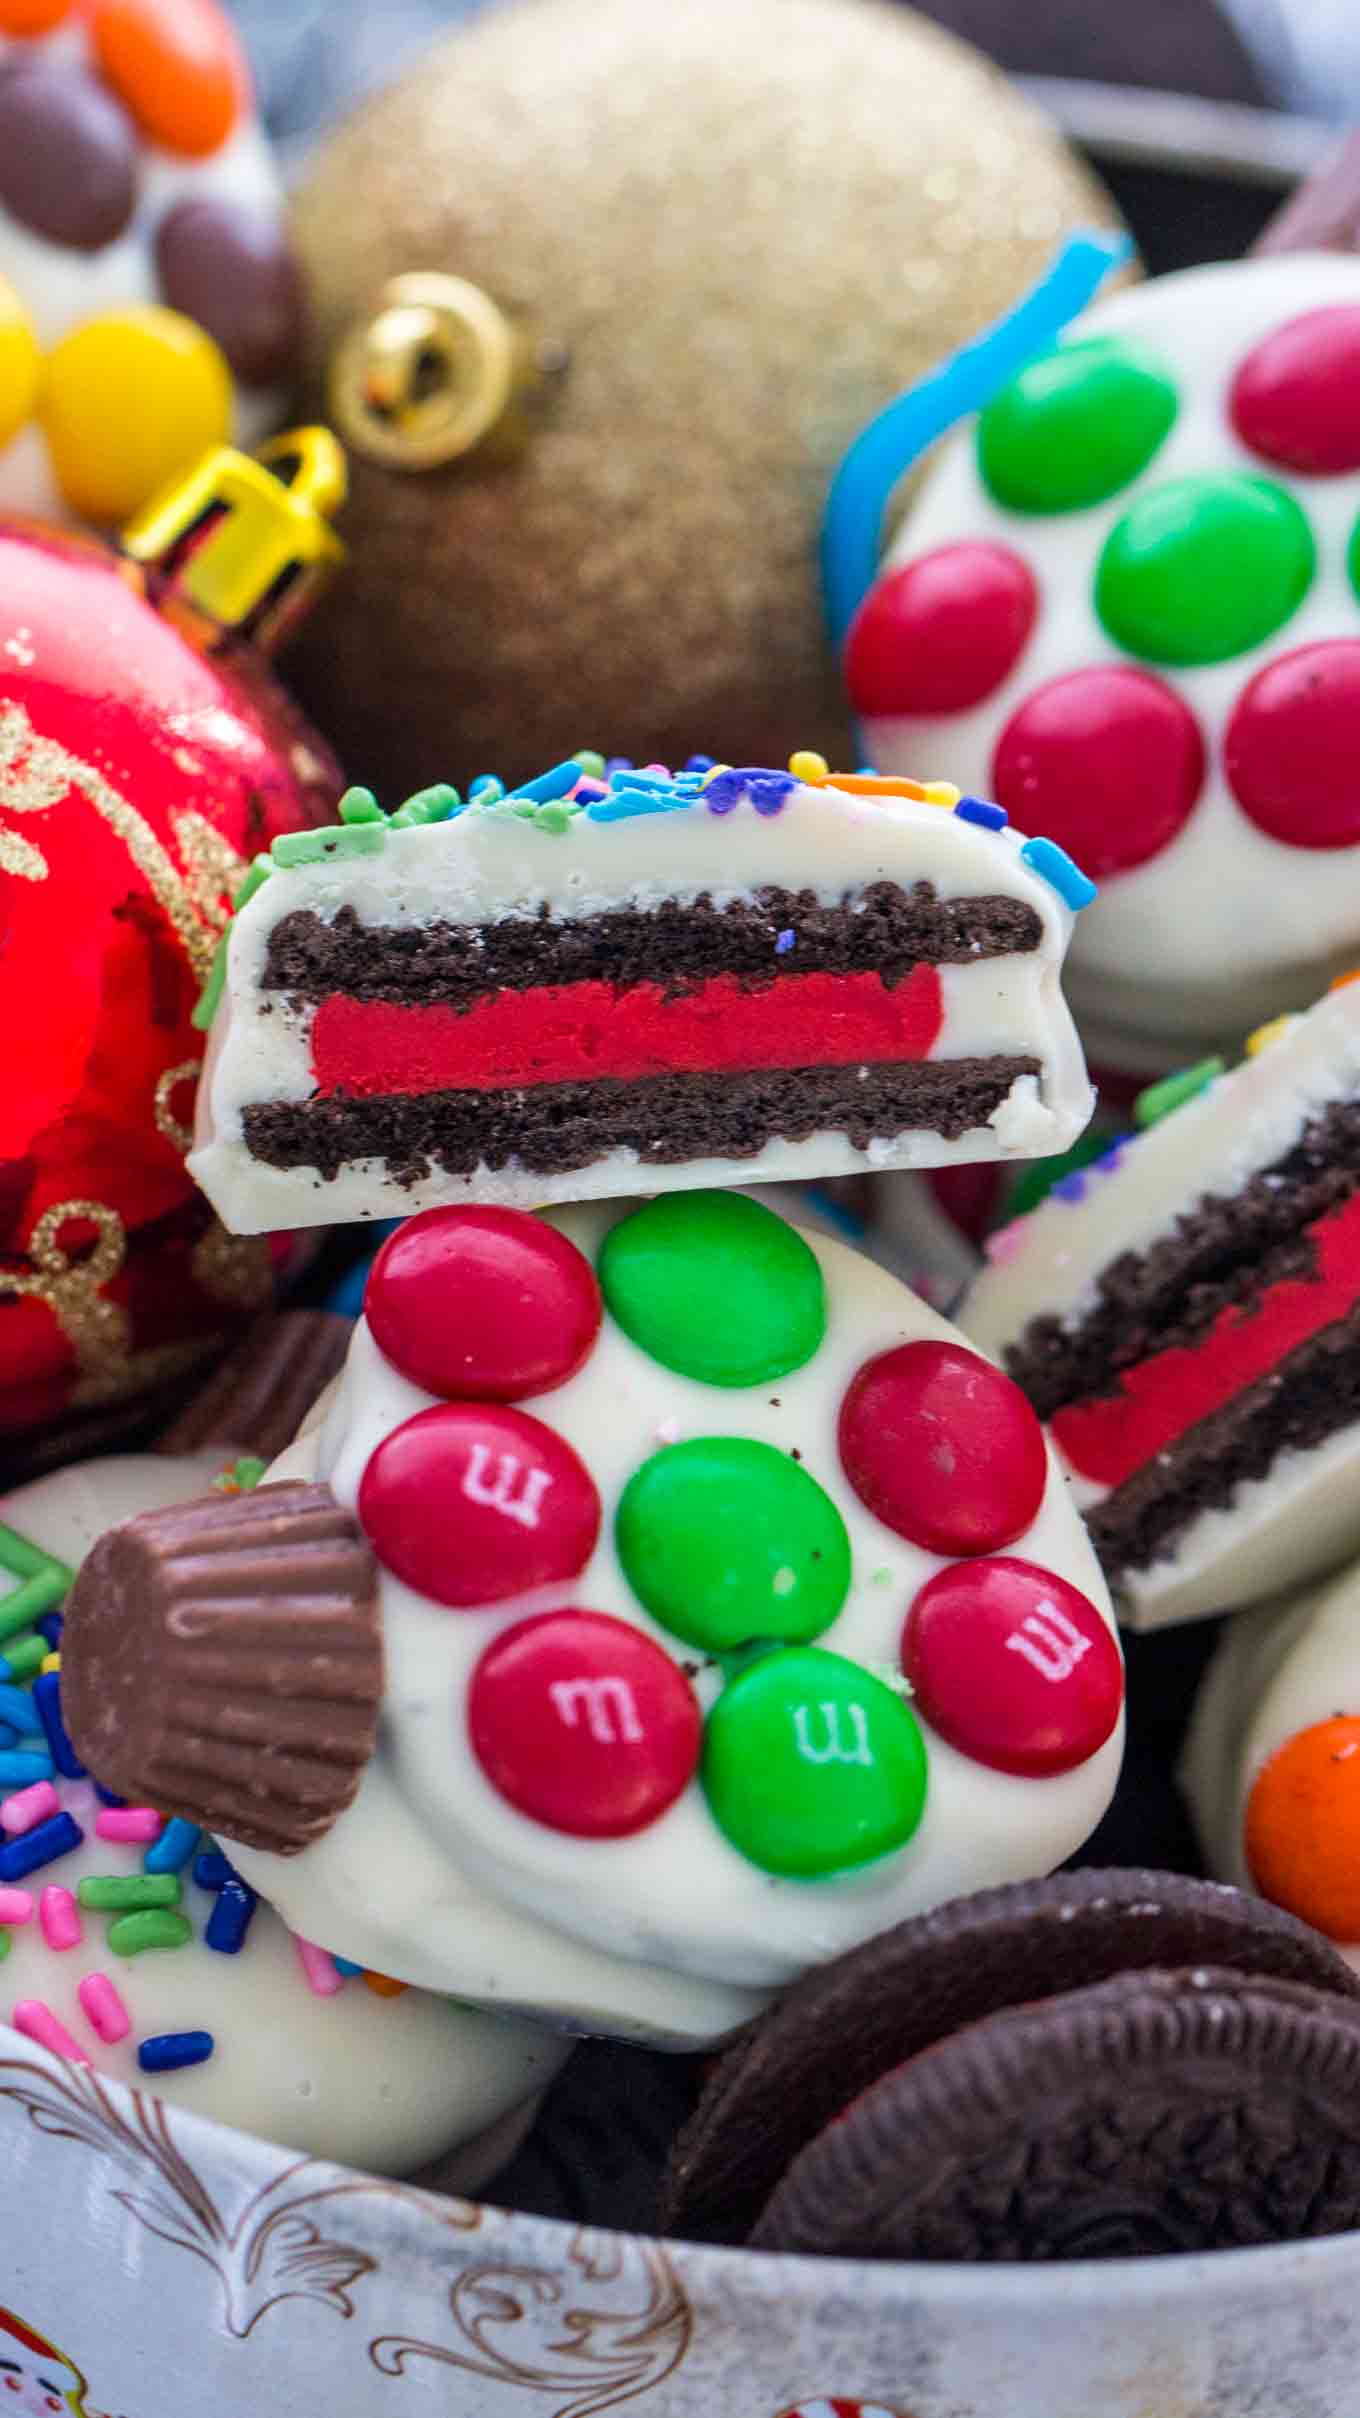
[
  {"x": 551, "y": 784},
  {"x": 311, "y": 847},
  {"x": 360, "y": 806},
  {"x": 622, "y": 804},
  {"x": 1054, "y": 866},
  {"x": 485, "y": 790}
]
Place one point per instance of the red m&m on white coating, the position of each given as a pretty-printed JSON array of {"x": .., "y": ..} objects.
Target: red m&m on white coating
[
  {"x": 583, "y": 1723},
  {"x": 1013, "y": 1666},
  {"x": 836, "y": 2407},
  {"x": 470, "y": 1503},
  {"x": 943, "y": 1448},
  {"x": 1107, "y": 761},
  {"x": 1292, "y": 744},
  {"x": 939, "y": 634},
  {"x": 1293, "y": 398},
  {"x": 483, "y": 1304}
]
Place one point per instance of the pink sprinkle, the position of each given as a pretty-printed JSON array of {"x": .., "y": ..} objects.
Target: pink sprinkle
[
  {"x": 29, "y": 1807},
  {"x": 136, "y": 1825},
  {"x": 16, "y": 1906},
  {"x": 60, "y": 1918},
  {"x": 104, "y": 2007},
  {"x": 1004, "y": 1244},
  {"x": 319, "y": 1966},
  {"x": 35, "y": 2019}
]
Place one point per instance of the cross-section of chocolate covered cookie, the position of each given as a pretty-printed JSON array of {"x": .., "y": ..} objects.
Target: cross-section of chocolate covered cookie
[{"x": 827, "y": 2062}]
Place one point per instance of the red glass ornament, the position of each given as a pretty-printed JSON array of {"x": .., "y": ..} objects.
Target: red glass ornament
[{"x": 146, "y": 754}]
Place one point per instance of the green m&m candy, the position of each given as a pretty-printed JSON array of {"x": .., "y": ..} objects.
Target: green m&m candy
[
  {"x": 715, "y": 1286},
  {"x": 727, "y": 1541},
  {"x": 1200, "y": 569},
  {"x": 1075, "y": 426},
  {"x": 812, "y": 1766}
]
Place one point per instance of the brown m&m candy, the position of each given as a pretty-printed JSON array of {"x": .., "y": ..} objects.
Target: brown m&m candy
[{"x": 226, "y": 1662}]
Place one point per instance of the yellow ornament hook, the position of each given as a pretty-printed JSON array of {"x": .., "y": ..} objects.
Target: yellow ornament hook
[{"x": 249, "y": 547}]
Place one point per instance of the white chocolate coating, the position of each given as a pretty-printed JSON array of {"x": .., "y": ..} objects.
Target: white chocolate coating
[
  {"x": 1279, "y": 1670},
  {"x": 487, "y": 866},
  {"x": 1226, "y": 925},
  {"x": 1305, "y": 1514},
  {"x": 669, "y": 1934},
  {"x": 376, "y": 2082}
]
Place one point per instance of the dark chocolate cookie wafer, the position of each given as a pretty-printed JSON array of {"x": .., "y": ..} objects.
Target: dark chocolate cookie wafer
[
  {"x": 1158, "y": 2112},
  {"x": 845, "y": 2024},
  {"x": 222, "y": 1659}
]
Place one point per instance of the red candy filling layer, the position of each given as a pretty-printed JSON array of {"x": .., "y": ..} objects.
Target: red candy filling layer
[
  {"x": 1159, "y": 1399},
  {"x": 586, "y": 1031}
]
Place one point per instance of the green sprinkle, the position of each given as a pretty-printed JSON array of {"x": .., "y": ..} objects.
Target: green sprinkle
[
  {"x": 243, "y": 1477},
  {"x": 24, "y": 1657},
  {"x": 556, "y": 817},
  {"x": 257, "y": 874},
  {"x": 1173, "y": 1091},
  {"x": 6, "y": 1943},
  {"x": 133, "y": 1934},
  {"x": 311, "y": 847},
  {"x": 128, "y": 1892},
  {"x": 433, "y": 805},
  {"x": 591, "y": 763},
  {"x": 210, "y": 997},
  {"x": 360, "y": 806}
]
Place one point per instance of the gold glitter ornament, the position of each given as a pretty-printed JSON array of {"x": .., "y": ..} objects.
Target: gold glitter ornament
[{"x": 742, "y": 230}]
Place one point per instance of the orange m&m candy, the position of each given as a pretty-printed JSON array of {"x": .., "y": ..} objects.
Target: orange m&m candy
[
  {"x": 1302, "y": 1831},
  {"x": 176, "y": 65},
  {"x": 32, "y": 16}
]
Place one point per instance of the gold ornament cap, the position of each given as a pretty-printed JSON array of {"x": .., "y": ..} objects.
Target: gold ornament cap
[
  {"x": 438, "y": 370},
  {"x": 246, "y": 539}
]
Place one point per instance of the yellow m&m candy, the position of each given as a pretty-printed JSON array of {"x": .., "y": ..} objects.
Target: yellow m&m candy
[
  {"x": 20, "y": 364},
  {"x": 130, "y": 400}
]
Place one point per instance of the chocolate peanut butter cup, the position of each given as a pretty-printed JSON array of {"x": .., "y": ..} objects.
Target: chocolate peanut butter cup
[
  {"x": 223, "y": 1661},
  {"x": 263, "y": 1390}
]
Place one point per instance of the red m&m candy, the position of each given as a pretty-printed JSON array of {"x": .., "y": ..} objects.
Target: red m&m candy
[
  {"x": 1293, "y": 744},
  {"x": 943, "y": 1447},
  {"x": 471, "y": 1503},
  {"x": 487, "y": 1305},
  {"x": 584, "y": 1724},
  {"x": 939, "y": 634},
  {"x": 1013, "y": 1666},
  {"x": 1293, "y": 399},
  {"x": 1108, "y": 762}
]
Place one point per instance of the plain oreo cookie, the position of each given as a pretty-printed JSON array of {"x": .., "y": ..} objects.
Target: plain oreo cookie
[
  {"x": 846, "y": 2025},
  {"x": 1158, "y": 2112}
]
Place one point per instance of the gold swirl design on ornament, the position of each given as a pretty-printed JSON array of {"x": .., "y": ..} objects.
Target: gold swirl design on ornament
[
  {"x": 37, "y": 773},
  {"x": 99, "y": 1331},
  {"x": 213, "y": 868},
  {"x": 174, "y": 1128}
]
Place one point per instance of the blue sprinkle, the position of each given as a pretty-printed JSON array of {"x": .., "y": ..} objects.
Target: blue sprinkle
[
  {"x": 613, "y": 764},
  {"x": 630, "y": 779},
  {"x": 47, "y": 1697},
  {"x": 486, "y": 789},
  {"x": 8, "y": 1735},
  {"x": 587, "y": 789},
  {"x": 50, "y": 1627},
  {"x": 981, "y": 810},
  {"x": 231, "y": 1916},
  {"x": 845, "y": 1220},
  {"x": 16, "y": 1710},
  {"x": 39, "y": 1846},
  {"x": 20, "y": 1770},
  {"x": 784, "y": 941},
  {"x": 700, "y": 764},
  {"x": 166, "y": 2052},
  {"x": 767, "y": 790},
  {"x": 622, "y": 804},
  {"x": 1109, "y": 1159},
  {"x": 211, "y": 1869},
  {"x": 554, "y": 783},
  {"x": 106, "y": 1796},
  {"x": 347, "y": 1966},
  {"x": 1054, "y": 866},
  {"x": 1072, "y": 1186},
  {"x": 868, "y": 772},
  {"x": 172, "y": 1850}
]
